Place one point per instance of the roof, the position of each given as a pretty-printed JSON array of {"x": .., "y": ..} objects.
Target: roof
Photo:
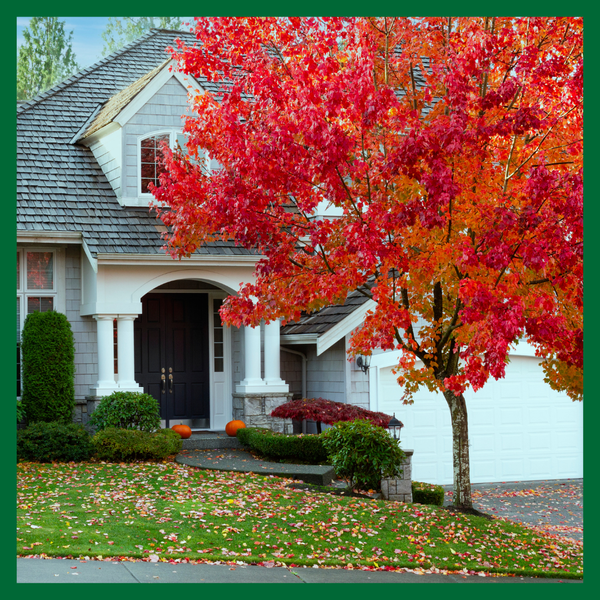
[
  {"x": 325, "y": 319},
  {"x": 60, "y": 185}
]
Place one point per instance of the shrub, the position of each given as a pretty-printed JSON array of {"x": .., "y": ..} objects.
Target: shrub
[
  {"x": 49, "y": 442},
  {"x": 427, "y": 493},
  {"x": 328, "y": 412},
  {"x": 20, "y": 411},
  {"x": 127, "y": 410},
  {"x": 279, "y": 446},
  {"x": 363, "y": 453},
  {"x": 48, "y": 360},
  {"x": 126, "y": 445}
]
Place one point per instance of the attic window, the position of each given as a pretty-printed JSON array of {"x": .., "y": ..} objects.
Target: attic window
[{"x": 150, "y": 152}]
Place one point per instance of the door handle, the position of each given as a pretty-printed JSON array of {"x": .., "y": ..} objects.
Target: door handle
[
  {"x": 170, "y": 380},
  {"x": 163, "y": 381}
]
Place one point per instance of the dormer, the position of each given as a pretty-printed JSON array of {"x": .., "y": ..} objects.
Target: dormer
[{"x": 125, "y": 134}]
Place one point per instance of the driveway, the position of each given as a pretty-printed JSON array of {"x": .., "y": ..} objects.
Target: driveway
[{"x": 554, "y": 506}]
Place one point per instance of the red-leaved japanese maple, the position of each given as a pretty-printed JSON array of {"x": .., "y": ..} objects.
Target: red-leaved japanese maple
[
  {"x": 328, "y": 412},
  {"x": 451, "y": 149}
]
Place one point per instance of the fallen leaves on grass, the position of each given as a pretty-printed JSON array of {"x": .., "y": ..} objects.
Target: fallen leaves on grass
[{"x": 161, "y": 512}]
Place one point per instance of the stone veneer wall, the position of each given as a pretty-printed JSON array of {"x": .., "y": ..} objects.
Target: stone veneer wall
[
  {"x": 399, "y": 488},
  {"x": 255, "y": 410}
]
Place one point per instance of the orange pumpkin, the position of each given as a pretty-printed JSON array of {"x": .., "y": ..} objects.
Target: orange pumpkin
[
  {"x": 232, "y": 427},
  {"x": 183, "y": 430}
]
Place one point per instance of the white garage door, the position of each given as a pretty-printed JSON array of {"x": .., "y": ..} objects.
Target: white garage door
[{"x": 520, "y": 430}]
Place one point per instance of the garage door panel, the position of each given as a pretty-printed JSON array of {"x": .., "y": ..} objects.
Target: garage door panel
[
  {"x": 482, "y": 442},
  {"x": 482, "y": 468},
  {"x": 540, "y": 442},
  {"x": 531, "y": 434},
  {"x": 540, "y": 468},
  {"x": 511, "y": 442}
]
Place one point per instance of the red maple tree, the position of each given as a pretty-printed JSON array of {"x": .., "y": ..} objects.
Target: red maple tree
[{"x": 451, "y": 151}]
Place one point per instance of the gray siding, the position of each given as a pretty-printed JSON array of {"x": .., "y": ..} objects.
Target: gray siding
[
  {"x": 162, "y": 112},
  {"x": 326, "y": 374},
  {"x": 83, "y": 328},
  {"x": 357, "y": 384},
  {"x": 291, "y": 372},
  {"x": 110, "y": 165}
]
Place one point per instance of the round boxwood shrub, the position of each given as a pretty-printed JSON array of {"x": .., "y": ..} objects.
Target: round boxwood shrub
[
  {"x": 127, "y": 410},
  {"x": 48, "y": 360},
  {"x": 127, "y": 445},
  {"x": 427, "y": 493},
  {"x": 54, "y": 442},
  {"x": 363, "y": 453}
]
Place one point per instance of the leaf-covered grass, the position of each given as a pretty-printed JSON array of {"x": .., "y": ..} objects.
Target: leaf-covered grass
[{"x": 165, "y": 511}]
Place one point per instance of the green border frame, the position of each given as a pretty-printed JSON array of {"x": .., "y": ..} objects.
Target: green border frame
[{"x": 307, "y": 7}]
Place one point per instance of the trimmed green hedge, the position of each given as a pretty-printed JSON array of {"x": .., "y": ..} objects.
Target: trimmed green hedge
[
  {"x": 126, "y": 445},
  {"x": 50, "y": 442},
  {"x": 48, "y": 360},
  {"x": 279, "y": 446},
  {"x": 427, "y": 493}
]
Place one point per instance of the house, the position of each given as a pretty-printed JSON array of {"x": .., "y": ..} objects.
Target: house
[{"x": 88, "y": 246}]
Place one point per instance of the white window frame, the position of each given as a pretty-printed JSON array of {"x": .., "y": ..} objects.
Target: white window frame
[{"x": 172, "y": 133}]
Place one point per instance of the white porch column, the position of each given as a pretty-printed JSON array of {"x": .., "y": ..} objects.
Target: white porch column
[
  {"x": 106, "y": 357},
  {"x": 125, "y": 354},
  {"x": 251, "y": 358},
  {"x": 272, "y": 357}
]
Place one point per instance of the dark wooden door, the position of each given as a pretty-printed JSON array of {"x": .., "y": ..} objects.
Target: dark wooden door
[{"x": 171, "y": 340}]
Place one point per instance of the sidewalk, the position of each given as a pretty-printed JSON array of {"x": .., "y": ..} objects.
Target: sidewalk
[{"x": 35, "y": 570}]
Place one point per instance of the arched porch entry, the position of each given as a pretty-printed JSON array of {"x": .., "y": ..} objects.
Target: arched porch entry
[{"x": 183, "y": 353}]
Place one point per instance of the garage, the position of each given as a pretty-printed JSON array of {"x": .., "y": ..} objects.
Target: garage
[{"x": 520, "y": 429}]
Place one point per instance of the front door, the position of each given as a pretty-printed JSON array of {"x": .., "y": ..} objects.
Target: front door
[{"x": 172, "y": 356}]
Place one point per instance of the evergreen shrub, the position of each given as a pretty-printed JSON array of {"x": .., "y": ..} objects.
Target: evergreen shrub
[
  {"x": 128, "y": 445},
  {"x": 427, "y": 493},
  {"x": 363, "y": 453},
  {"x": 279, "y": 446},
  {"x": 127, "y": 410},
  {"x": 48, "y": 361},
  {"x": 54, "y": 442}
]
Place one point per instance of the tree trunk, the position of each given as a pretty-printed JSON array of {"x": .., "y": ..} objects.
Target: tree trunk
[{"x": 460, "y": 450}]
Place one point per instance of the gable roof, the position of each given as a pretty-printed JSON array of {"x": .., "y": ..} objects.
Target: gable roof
[
  {"x": 325, "y": 327},
  {"x": 60, "y": 185}
]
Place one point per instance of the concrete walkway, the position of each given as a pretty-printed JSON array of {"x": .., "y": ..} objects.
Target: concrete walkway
[{"x": 35, "y": 570}]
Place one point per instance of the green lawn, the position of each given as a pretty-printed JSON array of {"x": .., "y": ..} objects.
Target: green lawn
[{"x": 165, "y": 511}]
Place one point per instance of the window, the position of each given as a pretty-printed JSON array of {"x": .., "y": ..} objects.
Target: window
[
  {"x": 218, "y": 344},
  {"x": 150, "y": 151},
  {"x": 36, "y": 290},
  {"x": 150, "y": 154}
]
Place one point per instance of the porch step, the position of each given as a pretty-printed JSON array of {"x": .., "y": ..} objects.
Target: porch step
[{"x": 210, "y": 440}]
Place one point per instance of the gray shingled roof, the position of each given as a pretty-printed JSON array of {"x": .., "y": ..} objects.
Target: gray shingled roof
[
  {"x": 60, "y": 186},
  {"x": 322, "y": 321}
]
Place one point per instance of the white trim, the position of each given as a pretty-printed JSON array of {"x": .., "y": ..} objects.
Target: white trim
[
  {"x": 49, "y": 237},
  {"x": 227, "y": 365},
  {"x": 214, "y": 260},
  {"x": 298, "y": 339},
  {"x": 344, "y": 327},
  {"x": 100, "y": 134}
]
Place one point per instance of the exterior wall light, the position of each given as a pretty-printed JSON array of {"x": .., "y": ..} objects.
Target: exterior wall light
[{"x": 363, "y": 363}]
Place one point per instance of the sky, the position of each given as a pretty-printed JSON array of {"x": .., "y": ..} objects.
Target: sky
[{"x": 87, "y": 36}]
